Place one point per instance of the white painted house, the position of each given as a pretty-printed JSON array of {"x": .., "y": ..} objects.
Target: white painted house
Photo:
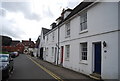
[
  {"x": 88, "y": 40},
  {"x": 51, "y": 45},
  {"x": 41, "y": 48},
  {"x": 35, "y": 52}
]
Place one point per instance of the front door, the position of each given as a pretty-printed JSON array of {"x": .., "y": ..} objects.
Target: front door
[
  {"x": 41, "y": 53},
  {"x": 62, "y": 49},
  {"x": 97, "y": 58}
]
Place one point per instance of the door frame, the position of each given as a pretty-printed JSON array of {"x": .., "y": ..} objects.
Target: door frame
[
  {"x": 93, "y": 55},
  {"x": 41, "y": 53},
  {"x": 62, "y": 54},
  {"x": 55, "y": 55}
]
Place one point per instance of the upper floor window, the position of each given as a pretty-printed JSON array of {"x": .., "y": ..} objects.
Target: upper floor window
[
  {"x": 47, "y": 37},
  {"x": 53, "y": 36},
  {"x": 67, "y": 29},
  {"x": 83, "y": 21}
]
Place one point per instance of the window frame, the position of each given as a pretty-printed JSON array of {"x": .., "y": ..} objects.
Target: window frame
[
  {"x": 47, "y": 37},
  {"x": 53, "y": 35},
  {"x": 83, "y": 21},
  {"x": 67, "y": 29},
  {"x": 46, "y": 51},
  {"x": 83, "y": 49},
  {"x": 67, "y": 52},
  {"x": 52, "y": 51}
]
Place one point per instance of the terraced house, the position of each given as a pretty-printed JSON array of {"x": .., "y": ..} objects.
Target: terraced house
[{"x": 85, "y": 39}]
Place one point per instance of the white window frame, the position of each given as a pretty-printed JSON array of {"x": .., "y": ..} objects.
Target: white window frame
[
  {"x": 83, "y": 21},
  {"x": 52, "y": 51},
  {"x": 83, "y": 52},
  {"x": 67, "y": 29},
  {"x": 53, "y": 36},
  {"x": 47, "y": 51},
  {"x": 47, "y": 37},
  {"x": 67, "y": 52}
]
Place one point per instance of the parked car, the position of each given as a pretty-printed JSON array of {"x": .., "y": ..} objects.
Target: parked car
[
  {"x": 6, "y": 65},
  {"x": 14, "y": 54}
]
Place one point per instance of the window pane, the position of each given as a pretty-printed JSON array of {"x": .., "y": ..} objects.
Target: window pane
[
  {"x": 85, "y": 25},
  {"x": 67, "y": 51},
  {"x": 84, "y": 51},
  {"x": 83, "y": 21}
]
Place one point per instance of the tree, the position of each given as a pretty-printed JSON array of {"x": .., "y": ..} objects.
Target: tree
[{"x": 6, "y": 41}]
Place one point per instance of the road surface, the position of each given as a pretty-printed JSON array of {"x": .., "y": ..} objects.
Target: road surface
[{"x": 25, "y": 68}]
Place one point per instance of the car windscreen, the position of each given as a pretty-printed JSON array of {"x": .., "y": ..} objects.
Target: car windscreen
[{"x": 4, "y": 58}]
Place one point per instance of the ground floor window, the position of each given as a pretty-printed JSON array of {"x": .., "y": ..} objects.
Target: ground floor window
[
  {"x": 52, "y": 51},
  {"x": 67, "y": 52},
  {"x": 47, "y": 51},
  {"x": 83, "y": 51}
]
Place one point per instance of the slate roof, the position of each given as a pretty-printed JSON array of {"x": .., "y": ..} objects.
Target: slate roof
[
  {"x": 28, "y": 43},
  {"x": 45, "y": 30},
  {"x": 14, "y": 42},
  {"x": 37, "y": 42},
  {"x": 66, "y": 10}
]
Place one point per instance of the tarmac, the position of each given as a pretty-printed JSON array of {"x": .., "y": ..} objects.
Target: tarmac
[{"x": 64, "y": 73}]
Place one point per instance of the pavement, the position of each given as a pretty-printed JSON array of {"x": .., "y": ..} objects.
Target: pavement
[{"x": 64, "y": 73}]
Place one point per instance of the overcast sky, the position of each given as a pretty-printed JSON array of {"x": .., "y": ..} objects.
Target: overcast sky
[{"x": 24, "y": 20}]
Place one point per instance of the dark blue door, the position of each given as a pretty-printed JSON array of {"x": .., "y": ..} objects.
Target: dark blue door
[{"x": 97, "y": 61}]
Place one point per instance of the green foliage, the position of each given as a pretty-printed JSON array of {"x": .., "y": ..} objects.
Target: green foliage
[{"x": 4, "y": 52}]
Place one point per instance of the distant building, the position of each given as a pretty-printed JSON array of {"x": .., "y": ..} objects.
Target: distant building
[
  {"x": 15, "y": 45},
  {"x": 41, "y": 48},
  {"x": 35, "y": 52},
  {"x": 28, "y": 46}
]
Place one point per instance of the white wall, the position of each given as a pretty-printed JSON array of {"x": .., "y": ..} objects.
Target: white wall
[
  {"x": 102, "y": 23},
  {"x": 41, "y": 44},
  {"x": 35, "y": 51},
  {"x": 101, "y": 19},
  {"x": 51, "y": 43},
  {"x": 119, "y": 40}
]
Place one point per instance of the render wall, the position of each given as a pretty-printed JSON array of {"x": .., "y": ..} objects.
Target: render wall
[
  {"x": 50, "y": 43},
  {"x": 102, "y": 23}
]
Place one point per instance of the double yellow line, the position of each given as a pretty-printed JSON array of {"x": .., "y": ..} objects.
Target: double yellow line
[{"x": 46, "y": 70}]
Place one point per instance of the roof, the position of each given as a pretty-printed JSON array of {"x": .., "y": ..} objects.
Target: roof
[
  {"x": 66, "y": 10},
  {"x": 28, "y": 43},
  {"x": 37, "y": 42},
  {"x": 20, "y": 44},
  {"x": 14, "y": 42},
  {"x": 45, "y": 30},
  {"x": 77, "y": 9}
]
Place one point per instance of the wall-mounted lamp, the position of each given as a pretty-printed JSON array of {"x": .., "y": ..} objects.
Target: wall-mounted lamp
[
  {"x": 56, "y": 45},
  {"x": 104, "y": 44}
]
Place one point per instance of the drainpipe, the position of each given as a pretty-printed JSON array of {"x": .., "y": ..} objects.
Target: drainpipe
[{"x": 58, "y": 44}]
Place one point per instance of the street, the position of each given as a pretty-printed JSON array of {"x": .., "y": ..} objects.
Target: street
[
  {"x": 24, "y": 68},
  {"x": 32, "y": 69}
]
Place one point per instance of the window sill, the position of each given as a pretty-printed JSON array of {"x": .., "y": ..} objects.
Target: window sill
[
  {"x": 67, "y": 36},
  {"x": 83, "y": 62},
  {"x": 83, "y": 31},
  {"x": 66, "y": 59}
]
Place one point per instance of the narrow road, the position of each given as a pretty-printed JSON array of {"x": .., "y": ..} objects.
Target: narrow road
[{"x": 24, "y": 68}]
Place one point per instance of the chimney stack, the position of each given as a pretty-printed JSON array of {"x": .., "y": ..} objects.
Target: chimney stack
[{"x": 29, "y": 39}]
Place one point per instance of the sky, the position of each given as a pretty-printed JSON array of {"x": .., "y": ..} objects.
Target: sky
[{"x": 23, "y": 19}]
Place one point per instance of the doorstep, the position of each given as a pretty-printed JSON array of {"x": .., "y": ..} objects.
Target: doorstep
[{"x": 95, "y": 76}]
